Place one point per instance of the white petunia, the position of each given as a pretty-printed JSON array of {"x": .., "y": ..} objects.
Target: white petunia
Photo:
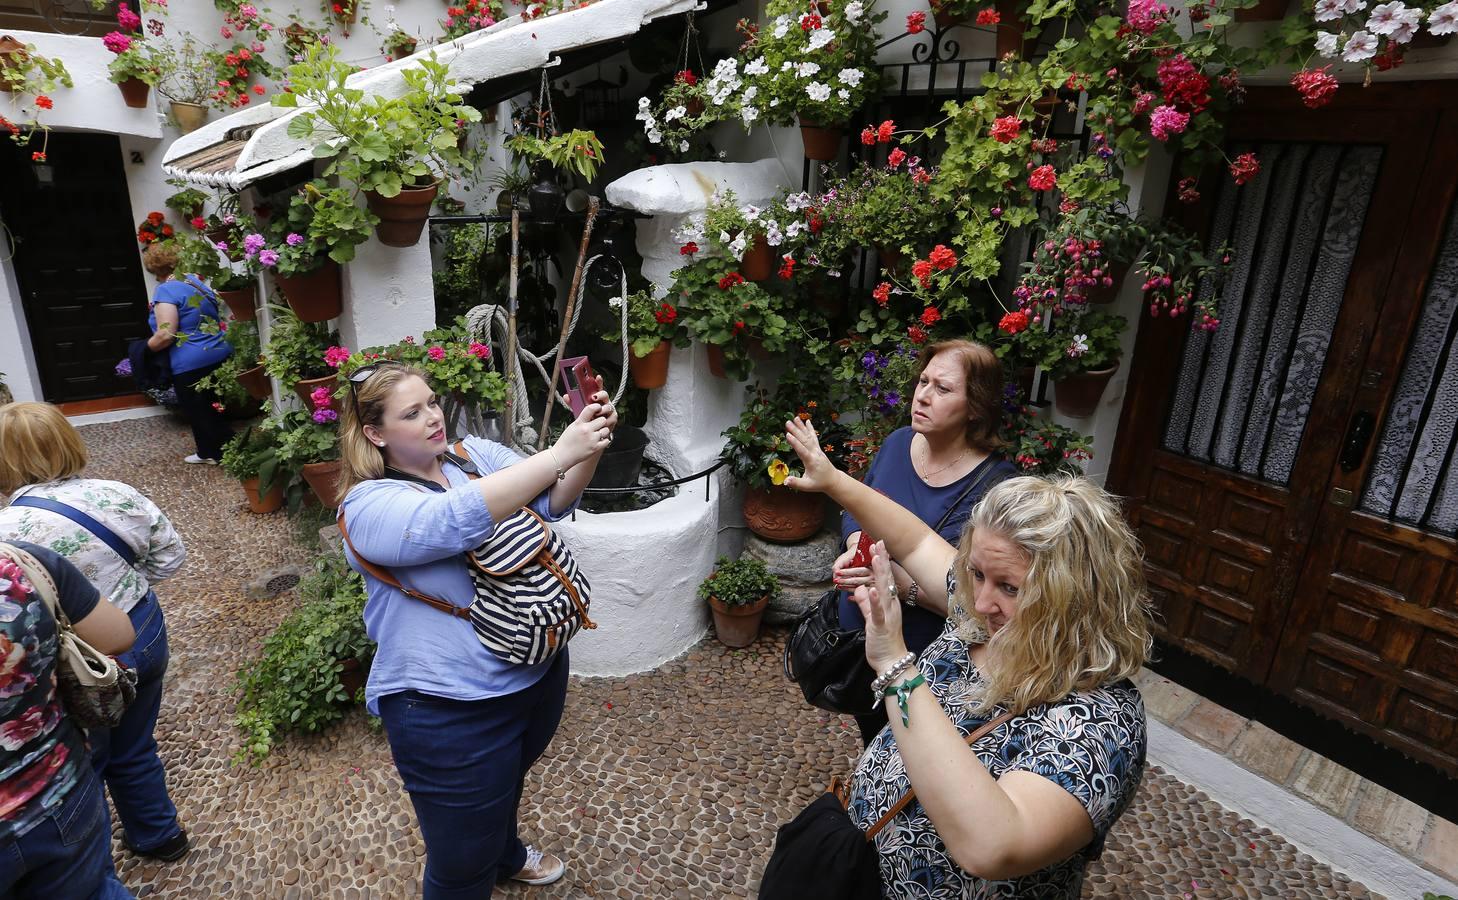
[
  {"x": 786, "y": 66},
  {"x": 818, "y": 91},
  {"x": 678, "y": 112},
  {"x": 794, "y": 229},
  {"x": 797, "y": 202},
  {"x": 854, "y": 10},
  {"x": 655, "y": 136},
  {"x": 748, "y": 114},
  {"x": 1352, "y": 7},
  {"x": 1386, "y": 17},
  {"x": 756, "y": 66},
  {"x": 851, "y": 77},
  {"x": 774, "y": 102},
  {"x": 751, "y": 213},
  {"x": 1328, "y": 10},
  {"x": 1361, "y": 45},
  {"x": 772, "y": 234},
  {"x": 843, "y": 94},
  {"x": 726, "y": 68},
  {"x": 750, "y": 93},
  {"x": 615, "y": 302},
  {"x": 683, "y": 146},
  {"x": 820, "y": 37},
  {"x": 1326, "y": 44},
  {"x": 1405, "y": 31},
  {"x": 1444, "y": 19},
  {"x": 738, "y": 246},
  {"x": 782, "y": 26},
  {"x": 724, "y": 236},
  {"x": 643, "y": 104},
  {"x": 806, "y": 69}
]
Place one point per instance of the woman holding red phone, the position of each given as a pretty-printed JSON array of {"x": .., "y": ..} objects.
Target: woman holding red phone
[{"x": 465, "y": 721}]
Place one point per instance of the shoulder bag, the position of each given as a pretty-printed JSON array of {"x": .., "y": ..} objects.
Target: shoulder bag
[
  {"x": 530, "y": 596},
  {"x": 95, "y": 689},
  {"x": 829, "y": 662},
  {"x": 821, "y": 852}
]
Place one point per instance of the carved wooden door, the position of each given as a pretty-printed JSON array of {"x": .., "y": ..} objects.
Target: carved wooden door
[{"x": 1289, "y": 473}]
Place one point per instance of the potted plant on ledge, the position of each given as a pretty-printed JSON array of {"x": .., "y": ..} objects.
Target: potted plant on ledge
[
  {"x": 734, "y": 317},
  {"x": 252, "y": 458},
  {"x": 738, "y": 592},
  {"x": 308, "y": 443},
  {"x": 1080, "y": 354},
  {"x": 134, "y": 71},
  {"x": 653, "y": 329},
  {"x": 186, "y": 80},
  {"x": 304, "y": 248},
  {"x": 297, "y": 354}
]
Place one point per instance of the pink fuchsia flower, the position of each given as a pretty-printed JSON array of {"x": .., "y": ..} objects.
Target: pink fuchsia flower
[
  {"x": 268, "y": 258},
  {"x": 334, "y": 357},
  {"x": 1166, "y": 121},
  {"x": 294, "y": 239},
  {"x": 479, "y": 350},
  {"x": 117, "y": 42},
  {"x": 436, "y": 353},
  {"x": 325, "y": 416},
  {"x": 1043, "y": 178}
]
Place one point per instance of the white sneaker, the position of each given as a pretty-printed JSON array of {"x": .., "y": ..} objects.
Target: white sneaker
[
  {"x": 196, "y": 460},
  {"x": 540, "y": 868}
]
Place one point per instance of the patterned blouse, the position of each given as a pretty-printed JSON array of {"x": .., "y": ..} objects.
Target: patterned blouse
[
  {"x": 121, "y": 508},
  {"x": 1091, "y": 744}
]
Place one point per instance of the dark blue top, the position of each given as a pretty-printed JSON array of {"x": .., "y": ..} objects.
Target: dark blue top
[
  {"x": 892, "y": 474},
  {"x": 201, "y": 349}
]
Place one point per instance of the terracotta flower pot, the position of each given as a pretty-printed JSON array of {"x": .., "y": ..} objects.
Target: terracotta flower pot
[
  {"x": 323, "y": 479},
  {"x": 272, "y": 499},
  {"x": 190, "y": 116},
  {"x": 1101, "y": 294},
  {"x": 134, "y": 92},
  {"x": 783, "y": 515},
  {"x": 240, "y": 303},
  {"x": 822, "y": 142},
  {"x": 12, "y": 53},
  {"x": 314, "y": 296},
  {"x": 1264, "y": 11},
  {"x": 255, "y": 382},
  {"x": 737, "y": 626},
  {"x": 716, "y": 360},
  {"x": 402, "y": 217},
  {"x": 1078, "y": 397},
  {"x": 217, "y": 235},
  {"x": 759, "y": 262},
  {"x": 305, "y": 387},
  {"x": 650, "y": 371}
]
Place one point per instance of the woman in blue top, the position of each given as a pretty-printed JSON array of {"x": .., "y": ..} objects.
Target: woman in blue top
[
  {"x": 464, "y": 725},
  {"x": 938, "y": 467},
  {"x": 178, "y": 310}
]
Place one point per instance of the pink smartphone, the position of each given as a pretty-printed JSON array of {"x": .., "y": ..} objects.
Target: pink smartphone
[{"x": 579, "y": 382}]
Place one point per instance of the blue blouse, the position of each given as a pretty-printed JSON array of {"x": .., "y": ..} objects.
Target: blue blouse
[
  {"x": 892, "y": 474},
  {"x": 200, "y": 349},
  {"x": 421, "y": 536}
]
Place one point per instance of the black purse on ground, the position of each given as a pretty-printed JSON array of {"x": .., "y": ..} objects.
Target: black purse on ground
[
  {"x": 829, "y": 662},
  {"x": 821, "y": 852}
]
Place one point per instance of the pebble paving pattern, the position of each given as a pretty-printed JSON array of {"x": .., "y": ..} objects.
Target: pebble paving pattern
[{"x": 665, "y": 784}]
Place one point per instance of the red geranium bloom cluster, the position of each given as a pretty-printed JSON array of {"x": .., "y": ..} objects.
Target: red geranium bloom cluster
[
  {"x": 1005, "y": 129},
  {"x": 730, "y": 280},
  {"x": 882, "y": 293},
  {"x": 1316, "y": 86},
  {"x": 666, "y": 314},
  {"x": 1043, "y": 178},
  {"x": 916, "y": 334},
  {"x": 153, "y": 229},
  {"x": 38, "y": 156},
  {"x": 1014, "y": 322},
  {"x": 686, "y": 76},
  {"x": 1244, "y": 168},
  {"x": 43, "y": 102},
  {"x": 881, "y": 134},
  {"x": 688, "y": 249},
  {"x": 942, "y": 258},
  {"x": 787, "y": 268},
  {"x": 922, "y": 269},
  {"x": 739, "y": 326},
  {"x": 931, "y": 316},
  {"x": 988, "y": 16},
  {"x": 1184, "y": 86},
  {"x": 916, "y": 22},
  {"x": 810, "y": 22},
  {"x": 895, "y": 158}
]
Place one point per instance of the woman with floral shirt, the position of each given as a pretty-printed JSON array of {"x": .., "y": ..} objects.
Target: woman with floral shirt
[
  {"x": 41, "y": 458},
  {"x": 54, "y": 839}
]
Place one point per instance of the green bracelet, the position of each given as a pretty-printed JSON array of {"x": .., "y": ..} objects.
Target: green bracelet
[{"x": 902, "y": 693}]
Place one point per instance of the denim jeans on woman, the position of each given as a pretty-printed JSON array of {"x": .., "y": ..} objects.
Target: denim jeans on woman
[
  {"x": 66, "y": 855},
  {"x": 464, "y": 763},
  {"x": 126, "y": 756}
]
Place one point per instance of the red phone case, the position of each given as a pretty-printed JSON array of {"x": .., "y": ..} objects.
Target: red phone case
[
  {"x": 580, "y": 382},
  {"x": 863, "y": 551}
]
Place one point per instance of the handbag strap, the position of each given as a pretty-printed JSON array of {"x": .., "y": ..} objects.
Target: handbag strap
[
  {"x": 976, "y": 482},
  {"x": 106, "y": 535},
  {"x": 40, "y": 579},
  {"x": 907, "y": 797}
]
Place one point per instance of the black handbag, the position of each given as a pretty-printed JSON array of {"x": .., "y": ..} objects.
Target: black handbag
[
  {"x": 829, "y": 662},
  {"x": 821, "y": 852}
]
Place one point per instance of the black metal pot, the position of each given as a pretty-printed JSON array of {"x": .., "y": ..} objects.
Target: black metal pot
[
  {"x": 623, "y": 460},
  {"x": 545, "y": 198}
]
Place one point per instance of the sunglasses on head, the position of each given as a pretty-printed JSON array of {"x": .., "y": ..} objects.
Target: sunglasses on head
[{"x": 360, "y": 376}]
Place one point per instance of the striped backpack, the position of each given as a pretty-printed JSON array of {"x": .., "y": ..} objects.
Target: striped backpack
[{"x": 530, "y": 598}]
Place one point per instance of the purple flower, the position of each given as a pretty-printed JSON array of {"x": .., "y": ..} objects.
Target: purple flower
[
  {"x": 268, "y": 258},
  {"x": 252, "y": 244},
  {"x": 325, "y": 416},
  {"x": 294, "y": 239},
  {"x": 222, "y": 245},
  {"x": 124, "y": 368}
]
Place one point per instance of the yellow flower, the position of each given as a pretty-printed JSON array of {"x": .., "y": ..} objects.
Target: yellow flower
[{"x": 778, "y": 472}]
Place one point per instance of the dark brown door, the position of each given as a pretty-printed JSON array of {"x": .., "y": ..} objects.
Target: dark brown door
[
  {"x": 59, "y": 16},
  {"x": 1295, "y": 512},
  {"x": 76, "y": 262}
]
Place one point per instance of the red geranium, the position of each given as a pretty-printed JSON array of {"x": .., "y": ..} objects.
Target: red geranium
[
  {"x": 988, "y": 16},
  {"x": 666, "y": 315},
  {"x": 930, "y": 316},
  {"x": 885, "y": 130},
  {"x": 882, "y": 293},
  {"x": 1316, "y": 86},
  {"x": 922, "y": 270},
  {"x": 868, "y": 137},
  {"x": 688, "y": 249},
  {"x": 1244, "y": 168},
  {"x": 1005, "y": 129},
  {"x": 916, "y": 334},
  {"x": 895, "y": 157},
  {"x": 43, "y": 102},
  {"x": 730, "y": 280},
  {"x": 1014, "y": 322},
  {"x": 942, "y": 258},
  {"x": 686, "y": 77},
  {"x": 810, "y": 22},
  {"x": 787, "y": 268},
  {"x": 1043, "y": 178},
  {"x": 916, "y": 22}
]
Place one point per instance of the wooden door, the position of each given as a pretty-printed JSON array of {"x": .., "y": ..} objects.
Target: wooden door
[
  {"x": 1233, "y": 442},
  {"x": 76, "y": 262}
]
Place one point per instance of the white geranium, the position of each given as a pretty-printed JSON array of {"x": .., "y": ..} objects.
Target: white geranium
[
  {"x": 786, "y": 66},
  {"x": 1327, "y": 44},
  {"x": 1361, "y": 45},
  {"x": 843, "y": 94},
  {"x": 1444, "y": 19},
  {"x": 756, "y": 66},
  {"x": 854, "y": 10},
  {"x": 806, "y": 69},
  {"x": 818, "y": 91},
  {"x": 851, "y": 77},
  {"x": 782, "y": 26},
  {"x": 1328, "y": 10},
  {"x": 678, "y": 112},
  {"x": 820, "y": 37}
]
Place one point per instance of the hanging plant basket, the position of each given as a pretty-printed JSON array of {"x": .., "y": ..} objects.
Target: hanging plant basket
[
  {"x": 1264, "y": 11},
  {"x": 305, "y": 388},
  {"x": 403, "y": 216},
  {"x": 314, "y": 296},
  {"x": 759, "y": 262},
  {"x": 190, "y": 116},
  {"x": 650, "y": 371},
  {"x": 822, "y": 142},
  {"x": 783, "y": 515},
  {"x": 323, "y": 479},
  {"x": 737, "y": 626},
  {"x": 1079, "y": 396},
  {"x": 545, "y": 198},
  {"x": 12, "y": 55},
  {"x": 240, "y": 303},
  {"x": 255, "y": 382},
  {"x": 271, "y": 500},
  {"x": 134, "y": 92}
]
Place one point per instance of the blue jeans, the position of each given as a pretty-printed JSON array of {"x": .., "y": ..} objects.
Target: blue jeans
[
  {"x": 65, "y": 855},
  {"x": 464, "y": 763},
  {"x": 126, "y": 756}
]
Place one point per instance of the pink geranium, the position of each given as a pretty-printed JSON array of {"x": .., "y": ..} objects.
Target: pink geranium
[
  {"x": 335, "y": 356},
  {"x": 436, "y": 353},
  {"x": 117, "y": 42},
  {"x": 479, "y": 350},
  {"x": 1166, "y": 121}
]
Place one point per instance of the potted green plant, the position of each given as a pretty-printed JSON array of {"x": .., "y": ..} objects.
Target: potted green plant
[
  {"x": 312, "y": 666},
  {"x": 295, "y": 353},
  {"x": 135, "y": 70},
  {"x": 891, "y": 208},
  {"x": 1080, "y": 354},
  {"x": 322, "y": 229},
  {"x": 308, "y": 443},
  {"x": 189, "y": 202},
  {"x": 186, "y": 80},
  {"x": 396, "y": 149},
  {"x": 1041, "y": 447},
  {"x": 734, "y": 317},
  {"x": 576, "y": 151},
  {"x": 252, "y": 458},
  {"x": 399, "y": 44},
  {"x": 653, "y": 329},
  {"x": 227, "y": 382},
  {"x": 23, "y": 71},
  {"x": 738, "y": 592}
]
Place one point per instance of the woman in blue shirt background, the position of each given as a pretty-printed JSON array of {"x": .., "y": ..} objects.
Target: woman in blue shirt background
[
  {"x": 464, "y": 725},
  {"x": 179, "y": 308},
  {"x": 938, "y": 467}
]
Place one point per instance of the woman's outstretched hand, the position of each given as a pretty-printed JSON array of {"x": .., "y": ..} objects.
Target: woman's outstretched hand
[
  {"x": 819, "y": 472},
  {"x": 882, "y": 611}
]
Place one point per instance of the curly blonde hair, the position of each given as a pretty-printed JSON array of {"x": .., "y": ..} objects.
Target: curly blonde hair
[{"x": 1082, "y": 619}]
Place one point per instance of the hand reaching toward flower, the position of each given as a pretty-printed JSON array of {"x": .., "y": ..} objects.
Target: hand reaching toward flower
[{"x": 820, "y": 473}]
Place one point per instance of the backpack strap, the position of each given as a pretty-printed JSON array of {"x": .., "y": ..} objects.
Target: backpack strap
[{"x": 383, "y": 575}]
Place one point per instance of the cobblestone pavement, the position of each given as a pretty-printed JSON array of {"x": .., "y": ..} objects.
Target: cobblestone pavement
[{"x": 666, "y": 784}]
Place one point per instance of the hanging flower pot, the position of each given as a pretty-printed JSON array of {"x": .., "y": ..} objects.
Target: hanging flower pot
[
  {"x": 758, "y": 263},
  {"x": 240, "y": 303},
  {"x": 190, "y": 116},
  {"x": 716, "y": 360},
  {"x": 783, "y": 515},
  {"x": 313, "y": 296},
  {"x": 737, "y": 626},
  {"x": 323, "y": 479},
  {"x": 1108, "y": 294},
  {"x": 12, "y": 56},
  {"x": 255, "y": 382},
  {"x": 346, "y": 11},
  {"x": 134, "y": 92},
  {"x": 1263, "y": 11},
  {"x": 822, "y": 142},
  {"x": 545, "y": 198},
  {"x": 650, "y": 371},
  {"x": 271, "y": 500},
  {"x": 305, "y": 388},
  {"x": 402, "y": 217},
  {"x": 1078, "y": 396}
]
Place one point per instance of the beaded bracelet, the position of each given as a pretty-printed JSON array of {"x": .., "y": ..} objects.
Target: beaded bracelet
[
  {"x": 879, "y": 685},
  {"x": 902, "y": 693}
]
